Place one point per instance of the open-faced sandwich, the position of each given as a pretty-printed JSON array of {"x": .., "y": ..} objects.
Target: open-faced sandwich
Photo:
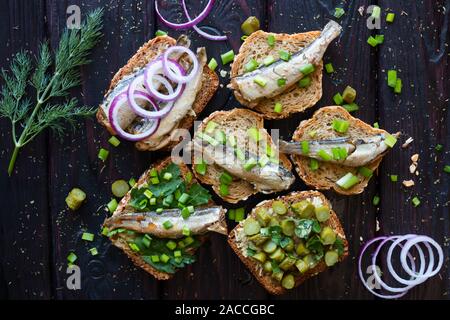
[
  {"x": 236, "y": 155},
  {"x": 164, "y": 86},
  {"x": 163, "y": 219},
  {"x": 280, "y": 74},
  {"x": 334, "y": 150},
  {"x": 290, "y": 239}
]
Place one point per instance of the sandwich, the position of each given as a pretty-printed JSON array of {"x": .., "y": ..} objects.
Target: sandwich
[
  {"x": 280, "y": 74},
  {"x": 288, "y": 240},
  {"x": 234, "y": 154},
  {"x": 163, "y": 219},
  {"x": 334, "y": 150},
  {"x": 156, "y": 93}
]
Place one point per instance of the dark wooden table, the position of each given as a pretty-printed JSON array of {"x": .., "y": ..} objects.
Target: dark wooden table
[{"x": 37, "y": 231}]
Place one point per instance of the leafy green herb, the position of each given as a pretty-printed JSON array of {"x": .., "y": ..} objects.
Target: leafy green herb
[
  {"x": 250, "y": 252},
  {"x": 339, "y": 245},
  {"x": 316, "y": 226},
  {"x": 198, "y": 195},
  {"x": 72, "y": 52},
  {"x": 314, "y": 244},
  {"x": 304, "y": 228},
  {"x": 167, "y": 187}
]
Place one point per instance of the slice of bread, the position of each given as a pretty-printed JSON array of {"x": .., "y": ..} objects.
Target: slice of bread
[
  {"x": 328, "y": 173},
  {"x": 271, "y": 285},
  {"x": 123, "y": 208},
  {"x": 148, "y": 52},
  {"x": 236, "y": 122},
  {"x": 294, "y": 99}
]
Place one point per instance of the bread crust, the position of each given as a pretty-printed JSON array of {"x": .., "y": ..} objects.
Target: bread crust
[
  {"x": 146, "y": 53},
  {"x": 328, "y": 173},
  {"x": 294, "y": 99},
  {"x": 240, "y": 189},
  {"x": 266, "y": 281}
]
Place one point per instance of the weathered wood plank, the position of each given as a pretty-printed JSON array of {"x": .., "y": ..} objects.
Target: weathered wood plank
[
  {"x": 218, "y": 273},
  {"x": 111, "y": 275},
  {"x": 355, "y": 66},
  {"x": 24, "y": 231},
  {"x": 416, "y": 45}
]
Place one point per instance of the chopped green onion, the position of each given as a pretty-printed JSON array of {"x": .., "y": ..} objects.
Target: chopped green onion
[
  {"x": 210, "y": 140},
  {"x": 225, "y": 178},
  {"x": 103, "y": 154},
  {"x": 416, "y": 201},
  {"x": 340, "y": 126},
  {"x": 152, "y": 201},
  {"x": 239, "y": 154},
  {"x": 134, "y": 247},
  {"x": 164, "y": 258},
  {"x": 251, "y": 65},
  {"x": 232, "y": 141},
  {"x": 112, "y": 205},
  {"x": 223, "y": 190},
  {"x": 447, "y": 169},
  {"x": 270, "y": 151},
  {"x": 244, "y": 37},
  {"x": 260, "y": 81},
  {"x": 177, "y": 254},
  {"x": 372, "y": 41},
  {"x": 343, "y": 153},
  {"x": 379, "y": 38},
  {"x": 227, "y": 57},
  {"x": 390, "y": 140},
  {"x": 254, "y": 134},
  {"x": 186, "y": 231},
  {"x": 347, "y": 181},
  {"x": 154, "y": 180},
  {"x": 232, "y": 214},
  {"x": 281, "y": 82},
  {"x": 171, "y": 245},
  {"x": 398, "y": 86},
  {"x": 329, "y": 68},
  {"x": 105, "y": 231},
  {"x": 284, "y": 55},
  {"x": 160, "y": 33},
  {"x": 376, "y": 125},
  {"x": 269, "y": 60},
  {"x": 307, "y": 69},
  {"x": 337, "y": 98},
  {"x": 439, "y": 147},
  {"x": 366, "y": 172},
  {"x": 159, "y": 210},
  {"x": 394, "y": 177},
  {"x": 200, "y": 168},
  {"x": 392, "y": 78},
  {"x": 376, "y": 12},
  {"x": 271, "y": 40},
  {"x": 93, "y": 251},
  {"x": 148, "y": 193},
  {"x": 338, "y": 12},
  {"x": 324, "y": 155},
  {"x": 153, "y": 172},
  {"x": 314, "y": 164},
  {"x": 240, "y": 214},
  {"x": 87, "y": 236},
  {"x": 220, "y": 136},
  {"x": 335, "y": 153},
  {"x": 188, "y": 177},
  {"x": 376, "y": 200},
  {"x": 132, "y": 182},
  {"x": 351, "y": 107},
  {"x": 305, "y": 147},
  {"x": 250, "y": 164},
  {"x": 349, "y": 94},
  {"x": 184, "y": 198},
  {"x": 390, "y": 17},
  {"x": 263, "y": 161},
  {"x": 167, "y": 224},
  {"x": 114, "y": 141},
  {"x": 154, "y": 258},
  {"x": 167, "y": 176},
  {"x": 146, "y": 240},
  {"x": 210, "y": 127},
  {"x": 72, "y": 257},
  {"x": 304, "y": 82},
  {"x": 278, "y": 107},
  {"x": 212, "y": 64},
  {"x": 185, "y": 213}
]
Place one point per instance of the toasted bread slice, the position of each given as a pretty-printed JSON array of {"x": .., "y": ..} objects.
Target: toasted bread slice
[
  {"x": 123, "y": 208},
  {"x": 148, "y": 52},
  {"x": 328, "y": 173},
  {"x": 271, "y": 285},
  {"x": 236, "y": 122},
  {"x": 294, "y": 99}
]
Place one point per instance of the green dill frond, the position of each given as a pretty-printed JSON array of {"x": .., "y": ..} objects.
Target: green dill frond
[{"x": 40, "y": 79}]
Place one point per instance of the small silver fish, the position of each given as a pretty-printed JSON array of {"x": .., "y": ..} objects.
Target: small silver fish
[
  {"x": 200, "y": 221},
  {"x": 288, "y": 70},
  {"x": 269, "y": 178},
  {"x": 359, "y": 151}
]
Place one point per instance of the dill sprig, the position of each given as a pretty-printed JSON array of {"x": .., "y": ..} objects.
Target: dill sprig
[{"x": 48, "y": 83}]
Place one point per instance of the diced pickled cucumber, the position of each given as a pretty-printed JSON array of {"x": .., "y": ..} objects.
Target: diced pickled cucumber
[
  {"x": 304, "y": 209},
  {"x": 287, "y": 263},
  {"x": 270, "y": 246},
  {"x": 301, "y": 249},
  {"x": 331, "y": 257},
  {"x": 262, "y": 216},
  {"x": 322, "y": 213},
  {"x": 278, "y": 255},
  {"x": 251, "y": 226},
  {"x": 288, "y": 281},
  {"x": 260, "y": 256},
  {"x": 302, "y": 266},
  {"x": 279, "y": 207},
  {"x": 287, "y": 227},
  {"x": 258, "y": 239},
  {"x": 327, "y": 236}
]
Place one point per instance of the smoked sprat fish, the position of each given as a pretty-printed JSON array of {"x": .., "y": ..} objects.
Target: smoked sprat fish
[
  {"x": 200, "y": 221},
  {"x": 264, "y": 81}
]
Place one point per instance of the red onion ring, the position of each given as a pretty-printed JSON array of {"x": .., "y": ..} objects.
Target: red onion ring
[
  {"x": 171, "y": 74},
  {"x": 200, "y": 31},
  {"x": 155, "y": 68},
  {"x": 131, "y": 96},
  {"x": 190, "y": 23},
  {"x": 118, "y": 102}
]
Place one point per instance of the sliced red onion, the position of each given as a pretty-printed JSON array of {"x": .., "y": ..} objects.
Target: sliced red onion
[
  {"x": 200, "y": 31},
  {"x": 156, "y": 68},
  {"x": 132, "y": 94},
  {"x": 168, "y": 70},
  {"x": 118, "y": 102},
  {"x": 190, "y": 23}
]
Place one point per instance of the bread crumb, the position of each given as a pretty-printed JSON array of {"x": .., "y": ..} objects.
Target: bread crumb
[
  {"x": 412, "y": 168},
  {"x": 415, "y": 157},
  {"x": 407, "y": 142},
  {"x": 408, "y": 183}
]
